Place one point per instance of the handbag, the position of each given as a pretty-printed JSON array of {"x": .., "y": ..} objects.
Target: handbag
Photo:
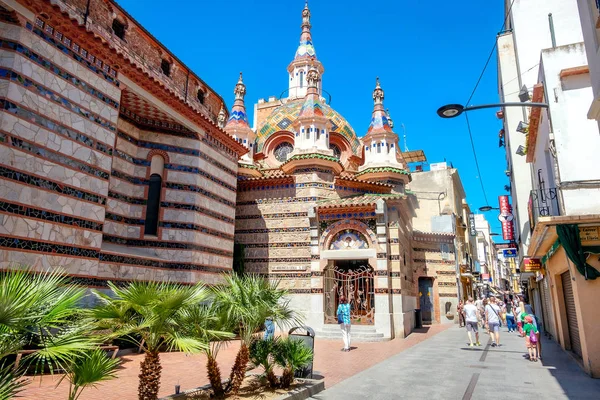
[{"x": 340, "y": 318}]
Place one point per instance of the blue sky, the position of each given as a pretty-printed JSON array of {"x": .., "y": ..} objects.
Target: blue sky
[{"x": 426, "y": 54}]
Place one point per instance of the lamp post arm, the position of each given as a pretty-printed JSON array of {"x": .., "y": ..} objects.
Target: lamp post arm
[{"x": 541, "y": 105}]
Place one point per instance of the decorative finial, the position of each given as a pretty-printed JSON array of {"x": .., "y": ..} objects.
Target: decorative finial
[
  {"x": 240, "y": 89},
  {"x": 306, "y": 18},
  {"x": 221, "y": 117},
  {"x": 378, "y": 93},
  {"x": 390, "y": 121}
]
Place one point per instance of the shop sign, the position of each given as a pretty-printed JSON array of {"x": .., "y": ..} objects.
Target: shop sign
[
  {"x": 506, "y": 218},
  {"x": 531, "y": 265},
  {"x": 472, "y": 230},
  {"x": 485, "y": 277},
  {"x": 589, "y": 233},
  {"x": 509, "y": 253}
]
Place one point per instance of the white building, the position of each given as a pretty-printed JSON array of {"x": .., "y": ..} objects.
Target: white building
[
  {"x": 529, "y": 29},
  {"x": 589, "y": 12}
]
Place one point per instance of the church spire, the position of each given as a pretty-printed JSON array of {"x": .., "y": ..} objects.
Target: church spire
[
  {"x": 237, "y": 125},
  {"x": 238, "y": 115},
  {"x": 379, "y": 121},
  {"x": 306, "y": 48},
  {"x": 304, "y": 59}
]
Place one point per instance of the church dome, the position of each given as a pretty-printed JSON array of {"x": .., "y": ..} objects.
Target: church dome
[{"x": 283, "y": 117}]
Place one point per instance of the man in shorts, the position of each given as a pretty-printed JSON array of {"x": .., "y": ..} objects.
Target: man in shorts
[
  {"x": 492, "y": 315},
  {"x": 471, "y": 321}
]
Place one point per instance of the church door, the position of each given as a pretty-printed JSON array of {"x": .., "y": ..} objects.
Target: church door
[{"x": 355, "y": 280}]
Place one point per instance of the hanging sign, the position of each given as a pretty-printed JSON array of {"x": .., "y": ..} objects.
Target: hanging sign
[
  {"x": 472, "y": 229},
  {"x": 506, "y": 218},
  {"x": 509, "y": 253},
  {"x": 531, "y": 265}
]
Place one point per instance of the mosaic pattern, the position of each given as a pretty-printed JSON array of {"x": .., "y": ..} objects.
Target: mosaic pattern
[
  {"x": 164, "y": 245},
  {"x": 198, "y": 189},
  {"x": 276, "y": 245},
  {"x": 192, "y": 207},
  {"x": 276, "y": 201},
  {"x": 68, "y": 46},
  {"x": 379, "y": 123},
  {"x": 273, "y": 230},
  {"x": 52, "y": 96},
  {"x": 305, "y": 49},
  {"x": 147, "y": 115},
  {"x": 312, "y": 107},
  {"x": 194, "y": 227},
  {"x": 43, "y": 247},
  {"x": 287, "y": 186},
  {"x": 291, "y": 110},
  {"x": 237, "y": 117},
  {"x": 346, "y": 224},
  {"x": 41, "y": 61},
  {"x": 69, "y": 133},
  {"x": 52, "y": 156},
  {"x": 126, "y": 199},
  {"x": 273, "y": 216},
  {"x": 173, "y": 149},
  {"x": 29, "y": 212},
  {"x": 283, "y": 260},
  {"x": 122, "y": 219},
  {"x": 19, "y": 176},
  {"x": 145, "y": 262},
  {"x": 360, "y": 215},
  {"x": 348, "y": 239}
]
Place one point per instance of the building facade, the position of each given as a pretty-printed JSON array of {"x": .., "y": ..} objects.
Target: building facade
[
  {"x": 112, "y": 163},
  {"x": 589, "y": 13}
]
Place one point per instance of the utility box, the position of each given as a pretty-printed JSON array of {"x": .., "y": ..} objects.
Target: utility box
[{"x": 307, "y": 335}]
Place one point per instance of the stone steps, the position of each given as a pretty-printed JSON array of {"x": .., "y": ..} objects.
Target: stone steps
[{"x": 359, "y": 333}]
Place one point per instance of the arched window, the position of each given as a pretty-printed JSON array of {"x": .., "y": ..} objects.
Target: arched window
[
  {"x": 153, "y": 205},
  {"x": 282, "y": 151},
  {"x": 336, "y": 150},
  {"x": 301, "y": 79}
]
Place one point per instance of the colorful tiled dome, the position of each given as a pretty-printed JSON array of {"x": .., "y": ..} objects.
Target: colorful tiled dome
[{"x": 282, "y": 118}]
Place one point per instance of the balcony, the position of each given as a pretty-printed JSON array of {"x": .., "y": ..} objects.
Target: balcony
[{"x": 542, "y": 203}]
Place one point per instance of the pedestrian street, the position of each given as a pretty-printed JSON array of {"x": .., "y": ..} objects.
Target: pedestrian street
[{"x": 444, "y": 367}]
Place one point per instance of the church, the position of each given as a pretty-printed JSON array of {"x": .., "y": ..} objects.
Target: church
[{"x": 118, "y": 163}]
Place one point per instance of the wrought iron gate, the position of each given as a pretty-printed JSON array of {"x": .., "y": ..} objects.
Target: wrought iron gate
[{"x": 357, "y": 284}]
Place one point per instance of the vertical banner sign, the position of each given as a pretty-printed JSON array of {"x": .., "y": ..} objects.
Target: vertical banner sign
[
  {"x": 506, "y": 218},
  {"x": 472, "y": 229}
]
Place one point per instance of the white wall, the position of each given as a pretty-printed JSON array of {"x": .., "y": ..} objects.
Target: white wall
[
  {"x": 589, "y": 15},
  {"x": 577, "y": 138}
]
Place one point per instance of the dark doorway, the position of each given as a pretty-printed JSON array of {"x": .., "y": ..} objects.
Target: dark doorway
[
  {"x": 426, "y": 299},
  {"x": 153, "y": 205}
]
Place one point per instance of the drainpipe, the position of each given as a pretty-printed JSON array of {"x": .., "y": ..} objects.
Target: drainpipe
[
  {"x": 87, "y": 12},
  {"x": 552, "y": 35},
  {"x": 187, "y": 80}
]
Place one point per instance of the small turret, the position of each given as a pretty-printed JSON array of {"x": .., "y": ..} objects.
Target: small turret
[{"x": 237, "y": 125}]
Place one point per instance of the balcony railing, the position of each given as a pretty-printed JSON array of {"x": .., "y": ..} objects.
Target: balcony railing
[{"x": 542, "y": 203}]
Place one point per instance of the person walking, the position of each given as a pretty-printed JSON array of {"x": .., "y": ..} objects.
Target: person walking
[
  {"x": 471, "y": 321},
  {"x": 535, "y": 322},
  {"x": 510, "y": 317},
  {"x": 492, "y": 316},
  {"x": 531, "y": 338},
  {"x": 461, "y": 314},
  {"x": 484, "y": 316},
  {"x": 343, "y": 315}
]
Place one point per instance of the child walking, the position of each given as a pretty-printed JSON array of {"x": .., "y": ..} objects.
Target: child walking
[{"x": 531, "y": 337}]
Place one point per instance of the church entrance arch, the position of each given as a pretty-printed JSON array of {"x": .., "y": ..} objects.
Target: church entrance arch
[{"x": 355, "y": 280}]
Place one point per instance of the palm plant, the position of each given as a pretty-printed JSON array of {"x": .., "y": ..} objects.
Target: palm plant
[
  {"x": 89, "y": 370},
  {"x": 261, "y": 353},
  {"x": 11, "y": 382},
  {"x": 291, "y": 354},
  {"x": 150, "y": 314},
  {"x": 246, "y": 301},
  {"x": 40, "y": 311},
  {"x": 203, "y": 322}
]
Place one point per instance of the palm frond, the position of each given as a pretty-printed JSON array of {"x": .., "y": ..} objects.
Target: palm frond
[{"x": 11, "y": 383}]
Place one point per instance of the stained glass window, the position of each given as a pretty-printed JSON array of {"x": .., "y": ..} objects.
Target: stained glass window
[
  {"x": 282, "y": 151},
  {"x": 336, "y": 150}
]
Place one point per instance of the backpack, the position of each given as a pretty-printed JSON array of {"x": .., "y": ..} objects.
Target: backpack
[{"x": 533, "y": 337}]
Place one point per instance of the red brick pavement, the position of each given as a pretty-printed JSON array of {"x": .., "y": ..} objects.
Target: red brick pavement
[{"x": 190, "y": 371}]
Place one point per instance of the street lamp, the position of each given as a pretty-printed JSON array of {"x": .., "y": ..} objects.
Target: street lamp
[
  {"x": 454, "y": 110},
  {"x": 487, "y": 208}
]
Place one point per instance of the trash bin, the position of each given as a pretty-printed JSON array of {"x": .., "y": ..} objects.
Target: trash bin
[
  {"x": 307, "y": 335},
  {"x": 418, "y": 318}
]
